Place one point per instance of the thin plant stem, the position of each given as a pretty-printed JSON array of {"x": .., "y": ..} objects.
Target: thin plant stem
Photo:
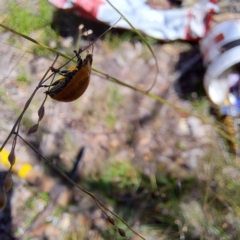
[
  {"x": 15, "y": 131},
  {"x": 164, "y": 101},
  {"x": 99, "y": 203},
  {"x": 110, "y": 78},
  {"x": 117, "y": 81},
  {"x": 143, "y": 39},
  {"x": 33, "y": 40},
  {"x": 27, "y": 105}
]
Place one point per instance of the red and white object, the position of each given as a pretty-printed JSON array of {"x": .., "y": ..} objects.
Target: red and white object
[
  {"x": 221, "y": 52},
  {"x": 172, "y": 24}
]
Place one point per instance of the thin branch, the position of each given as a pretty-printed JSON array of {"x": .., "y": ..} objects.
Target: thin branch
[
  {"x": 34, "y": 41},
  {"x": 164, "y": 101},
  {"x": 144, "y": 40},
  {"x": 99, "y": 203},
  {"x": 115, "y": 80},
  {"x": 26, "y": 106}
]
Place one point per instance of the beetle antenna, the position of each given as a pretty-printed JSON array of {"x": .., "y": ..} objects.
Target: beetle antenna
[{"x": 92, "y": 48}]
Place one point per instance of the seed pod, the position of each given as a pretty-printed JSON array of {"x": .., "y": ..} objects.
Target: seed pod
[
  {"x": 41, "y": 112},
  {"x": 111, "y": 220},
  {"x": 3, "y": 199},
  {"x": 11, "y": 156},
  {"x": 8, "y": 182},
  {"x": 33, "y": 129},
  {"x": 121, "y": 232}
]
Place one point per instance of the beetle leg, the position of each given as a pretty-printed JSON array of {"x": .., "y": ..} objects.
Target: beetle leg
[
  {"x": 60, "y": 72},
  {"x": 55, "y": 70},
  {"x": 63, "y": 72},
  {"x": 53, "y": 84},
  {"x": 79, "y": 59},
  {"x": 57, "y": 86}
]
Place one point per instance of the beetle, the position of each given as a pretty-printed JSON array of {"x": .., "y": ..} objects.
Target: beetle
[{"x": 73, "y": 82}]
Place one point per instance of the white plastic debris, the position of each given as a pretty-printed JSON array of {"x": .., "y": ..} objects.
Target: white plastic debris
[
  {"x": 172, "y": 24},
  {"x": 233, "y": 79},
  {"x": 221, "y": 55}
]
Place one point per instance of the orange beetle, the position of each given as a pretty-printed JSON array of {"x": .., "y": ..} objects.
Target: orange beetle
[{"x": 74, "y": 81}]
